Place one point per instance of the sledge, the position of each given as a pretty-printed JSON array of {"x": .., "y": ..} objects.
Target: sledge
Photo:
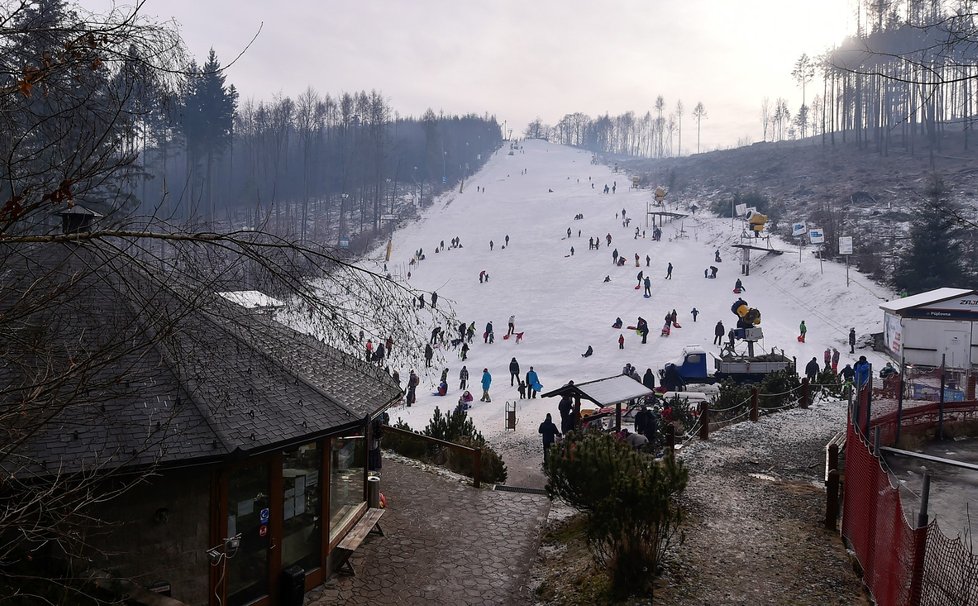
[
  {"x": 737, "y": 291},
  {"x": 647, "y": 296},
  {"x": 676, "y": 325},
  {"x": 637, "y": 287},
  {"x": 631, "y": 328},
  {"x": 537, "y": 387},
  {"x": 505, "y": 337},
  {"x": 801, "y": 339}
]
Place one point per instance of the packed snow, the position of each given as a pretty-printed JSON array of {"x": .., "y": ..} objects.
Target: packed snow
[{"x": 561, "y": 302}]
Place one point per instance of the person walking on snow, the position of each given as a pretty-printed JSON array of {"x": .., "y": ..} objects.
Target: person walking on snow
[
  {"x": 486, "y": 382},
  {"x": 640, "y": 274},
  {"x": 827, "y": 357},
  {"x": 648, "y": 260},
  {"x": 434, "y": 300},
  {"x": 490, "y": 245},
  {"x": 648, "y": 287},
  {"x": 568, "y": 232},
  {"x": 852, "y": 340},
  {"x": 514, "y": 371},
  {"x": 532, "y": 382},
  {"x": 669, "y": 272},
  {"x": 614, "y": 256},
  {"x": 636, "y": 260},
  {"x": 835, "y": 361},
  {"x": 621, "y": 341},
  {"x": 512, "y": 325},
  {"x": 412, "y": 394},
  {"x": 694, "y": 313},
  {"x": 608, "y": 238},
  {"x": 463, "y": 378},
  {"x": 802, "y": 331},
  {"x": 428, "y": 353},
  {"x": 465, "y": 351},
  {"x": 507, "y": 239},
  {"x": 550, "y": 434},
  {"x": 811, "y": 369},
  {"x": 718, "y": 333},
  {"x": 488, "y": 336}
]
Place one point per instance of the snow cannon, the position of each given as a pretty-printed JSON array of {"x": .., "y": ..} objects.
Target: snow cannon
[
  {"x": 739, "y": 308},
  {"x": 660, "y": 194},
  {"x": 757, "y": 221},
  {"x": 752, "y": 317}
]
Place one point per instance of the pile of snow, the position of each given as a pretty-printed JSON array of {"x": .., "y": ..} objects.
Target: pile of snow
[{"x": 563, "y": 305}]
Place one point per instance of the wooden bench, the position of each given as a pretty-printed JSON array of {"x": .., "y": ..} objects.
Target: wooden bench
[{"x": 370, "y": 522}]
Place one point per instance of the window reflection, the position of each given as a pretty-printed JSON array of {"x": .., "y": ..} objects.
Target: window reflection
[
  {"x": 347, "y": 461},
  {"x": 300, "y": 507}
]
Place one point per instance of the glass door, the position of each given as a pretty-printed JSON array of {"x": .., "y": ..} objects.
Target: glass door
[
  {"x": 248, "y": 527},
  {"x": 302, "y": 529}
]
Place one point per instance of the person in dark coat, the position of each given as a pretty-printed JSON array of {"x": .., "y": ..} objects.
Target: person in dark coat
[
  {"x": 412, "y": 394},
  {"x": 566, "y": 410},
  {"x": 550, "y": 434},
  {"x": 811, "y": 369},
  {"x": 669, "y": 272},
  {"x": 718, "y": 333},
  {"x": 514, "y": 372},
  {"x": 465, "y": 351},
  {"x": 531, "y": 382},
  {"x": 488, "y": 336},
  {"x": 848, "y": 373},
  {"x": 643, "y": 328},
  {"x": 642, "y": 418},
  {"x": 648, "y": 379},
  {"x": 648, "y": 286},
  {"x": 521, "y": 388},
  {"x": 428, "y": 353},
  {"x": 852, "y": 340},
  {"x": 588, "y": 353},
  {"x": 463, "y": 378}
]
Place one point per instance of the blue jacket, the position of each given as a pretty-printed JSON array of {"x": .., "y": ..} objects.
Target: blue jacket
[
  {"x": 486, "y": 381},
  {"x": 862, "y": 372},
  {"x": 531, "y": 378}
]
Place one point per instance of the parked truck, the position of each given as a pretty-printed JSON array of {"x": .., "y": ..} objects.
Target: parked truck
[{"x": 692, "y": 367}]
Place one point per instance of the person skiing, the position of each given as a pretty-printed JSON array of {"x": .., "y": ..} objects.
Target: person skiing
[
  {"x": 668, "y": 272},
  {"x": 512, "y": 326},
  {"x": 648, "y": 287},
  {"x": 464, "y": 354},
  {"x": 488, "y": 336},
  {"x": 852, "y": 340},
  {"x": 550, "y": 434},
  {"x": 718, "y": 333},
  {"x": 486, "y": 382},
  {"x": 835, "y": 361},
  {"x": 811, "y": 369},
  {"x": 428, "y": 353},
  {"x": 694, "y": 312},
  {"x": 621, "y": 341},
  {"x": 514, "y": 371},
  {"x": 532, "y": 383},
  {"x": 412, "y": 394},
  {"x": 802, "y": 330},
  {"x": 463, "y": 378}
]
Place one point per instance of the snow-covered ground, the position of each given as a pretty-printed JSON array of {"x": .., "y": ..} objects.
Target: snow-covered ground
[{"x": 561, "y": 302}]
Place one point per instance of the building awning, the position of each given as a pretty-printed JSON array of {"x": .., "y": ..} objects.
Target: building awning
[
  {"x": 603, "y": 392},
  {"x": 937, "y": 295}
]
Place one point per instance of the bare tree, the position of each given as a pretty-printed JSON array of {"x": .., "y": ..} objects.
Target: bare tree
[
  {"x": 680, "y": 110},
  {"x": 765, "y": 116},
  {"x": 699, "y": 112}
]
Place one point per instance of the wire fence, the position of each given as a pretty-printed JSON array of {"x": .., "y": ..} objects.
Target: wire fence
[{"x": 904, "y": 561}]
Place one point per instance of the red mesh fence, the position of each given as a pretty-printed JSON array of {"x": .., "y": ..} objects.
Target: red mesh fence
[
  {"x": 875, "y": 526},
  {"x": 902, "y": 565}
]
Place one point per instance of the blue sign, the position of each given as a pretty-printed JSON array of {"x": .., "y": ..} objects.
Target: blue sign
[{"x": 263, "y": 515}]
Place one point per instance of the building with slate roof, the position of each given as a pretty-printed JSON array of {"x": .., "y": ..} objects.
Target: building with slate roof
[{"x": 251, "y": 436}]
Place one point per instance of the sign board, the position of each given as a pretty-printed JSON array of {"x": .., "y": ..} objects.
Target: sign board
[
  {"x": 845, "y": 245},
  {"x": 798, "y": 229},
  {"x": 262, "y": 531},
  {"x": 263, "y": 515},
  {"x": 816, "y": 235},
  {"x": 741, "y": 209},
  {"x": 893, "y": 335},
  {"x": 344, "y": 243}
]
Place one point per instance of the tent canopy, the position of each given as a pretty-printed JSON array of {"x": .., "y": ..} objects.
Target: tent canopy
[{"x": 603, "y": 392}]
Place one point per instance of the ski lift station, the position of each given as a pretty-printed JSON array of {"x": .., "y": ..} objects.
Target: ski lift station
[{"x": 933, "y": 327}]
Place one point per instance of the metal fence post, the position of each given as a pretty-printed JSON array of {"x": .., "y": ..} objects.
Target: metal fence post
[
  {"x": 919, "y": 546},
  {"x": 477, "y": 467},
  {"x": 940, "y": 413},
  {"x": 899, "y": 415},
  {"x": 832, "y": 489}
]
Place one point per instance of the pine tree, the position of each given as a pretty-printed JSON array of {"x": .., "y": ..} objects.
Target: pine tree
[{"x": 934, "y": 258}]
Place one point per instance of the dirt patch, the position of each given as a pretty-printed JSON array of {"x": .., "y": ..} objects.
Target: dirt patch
[{"x": 753, "y": 533}]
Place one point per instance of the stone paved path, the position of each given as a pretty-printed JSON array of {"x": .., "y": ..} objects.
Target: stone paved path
[{"x": 445, "y": 543}]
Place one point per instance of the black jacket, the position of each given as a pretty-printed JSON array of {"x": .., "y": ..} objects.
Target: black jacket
[
  {"x": 549, "y": 432},
  {"x": 719, "y": 329},
  {"x": 514, "y": 367},
  {"x": 812, "y": 368},
  {"x": 649, "y": 379}
]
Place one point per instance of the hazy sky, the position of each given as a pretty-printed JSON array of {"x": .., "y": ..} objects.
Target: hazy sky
[{"x": 522, "y": 59}]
